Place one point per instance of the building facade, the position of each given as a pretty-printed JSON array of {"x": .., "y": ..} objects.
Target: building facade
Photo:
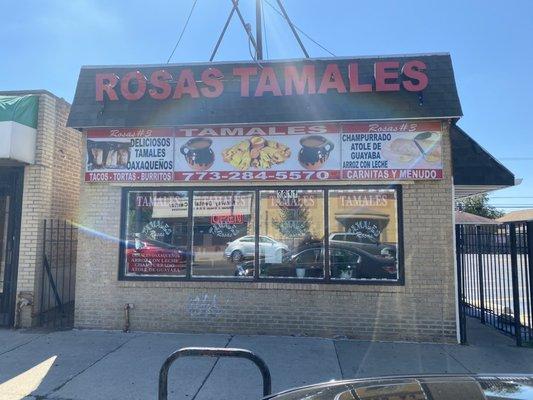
[
  {"x": 305, "y": 197},
  {"x": 40, "y": 163}
]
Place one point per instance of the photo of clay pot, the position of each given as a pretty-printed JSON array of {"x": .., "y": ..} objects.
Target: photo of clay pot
[
  {"x": 314, "y": 152},
  {"x": 198, "y": 153}
]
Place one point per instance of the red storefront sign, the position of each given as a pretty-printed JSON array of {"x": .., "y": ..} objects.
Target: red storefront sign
[
  {"x": 290, "y": 80},
  {"x": 390, "y": 151}
]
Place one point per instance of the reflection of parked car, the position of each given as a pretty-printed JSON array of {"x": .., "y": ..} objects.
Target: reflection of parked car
[
  {"x": 369, "y": 245},
  {"x": 244, "y": 248},
  {"x": 347, "y": 260}
]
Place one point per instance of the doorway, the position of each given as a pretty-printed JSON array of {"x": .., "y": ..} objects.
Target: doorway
[{"x": 10, "y": 217}]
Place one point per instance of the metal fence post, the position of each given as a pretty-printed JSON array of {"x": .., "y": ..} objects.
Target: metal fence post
[
  {"x": 529, "y": 242},
  {"x": 480, "y": 274},
  {"x": 460, "y": 289},
  {"x": 516, "y": 293}
]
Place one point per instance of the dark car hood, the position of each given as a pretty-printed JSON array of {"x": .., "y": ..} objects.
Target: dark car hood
[{"x": 424, "y": 387}]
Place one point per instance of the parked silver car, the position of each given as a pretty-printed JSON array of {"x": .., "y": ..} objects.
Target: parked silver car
[
  {"x": 369, "y": 245},
  {"x": 244, "y": 248}
]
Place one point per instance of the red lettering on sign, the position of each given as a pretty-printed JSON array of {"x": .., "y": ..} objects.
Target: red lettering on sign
[
  {"x": 244, "y": 74},
  {"x": 268, "y": 82},
  {"x": 353, "y": 76},
  {"x": 105, "y": 83},
  {"x": 125, "y": 88},
  {"x": 186, "y": 85},
  {"x": 306, "y": 78},
  {"x": 415, "y": 71},
  {"x": 389, "y": 76},
  {"x": 382, "y": 75},
  {"x": 212, "y": 79},
  {"x": 332, "y": 79},
  {"x": 160, "y": 80},
  {"x": 228, "y": 218}
]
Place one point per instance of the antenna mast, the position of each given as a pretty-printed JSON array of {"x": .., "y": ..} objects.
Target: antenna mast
[{"x": 258, "y": 31}]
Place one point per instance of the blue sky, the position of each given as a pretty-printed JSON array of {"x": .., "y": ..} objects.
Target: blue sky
[{"x": 44, "y": 43}]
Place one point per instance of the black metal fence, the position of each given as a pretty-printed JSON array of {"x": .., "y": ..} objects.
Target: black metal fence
[
  {"x": 58, "y": 275},
  {"x": 495, "y": 275}
]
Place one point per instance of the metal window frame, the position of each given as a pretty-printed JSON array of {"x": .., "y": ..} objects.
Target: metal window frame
[{"x": 326, "y": 280}]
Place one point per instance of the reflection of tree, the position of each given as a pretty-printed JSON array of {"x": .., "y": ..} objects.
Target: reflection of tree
[
  {"x": 293, "y": 220},
  {"x": 137, "y": 217}
]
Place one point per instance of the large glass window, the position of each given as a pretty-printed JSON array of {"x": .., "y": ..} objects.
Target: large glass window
[
  {"x": 223, "y": 233},
  {"x": 363, "y": 233},
  {"x": 329, "y": 234},
  {"x": 291, "y": 232},
  {"x": 156, "y": 233}
]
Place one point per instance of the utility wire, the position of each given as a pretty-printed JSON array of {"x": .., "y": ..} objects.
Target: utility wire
[
  {"x": 183, "y": 30},
  {"x": 300, "y": 30}
]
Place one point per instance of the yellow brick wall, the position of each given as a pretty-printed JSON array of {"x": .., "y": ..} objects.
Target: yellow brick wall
[{"x": 51, "y": 190}]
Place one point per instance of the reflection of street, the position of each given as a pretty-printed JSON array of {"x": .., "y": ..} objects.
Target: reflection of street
[
  {"x": 497, "y": 284},
  {"x": 213, "y": 267}
]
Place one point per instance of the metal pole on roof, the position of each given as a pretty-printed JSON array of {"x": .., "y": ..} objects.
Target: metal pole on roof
[
  {"x": 258, "y": 32},
  {"x": 244, "y": 24},
  {"x": 222, "y": 34},
  {"x": 280, "y": 4}
]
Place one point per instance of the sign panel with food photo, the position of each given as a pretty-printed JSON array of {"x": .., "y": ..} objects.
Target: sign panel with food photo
[
  {"x": 130, "y": 155},
  {"x": 391, "y": 151},
  {"x": 257, "y": 153}
]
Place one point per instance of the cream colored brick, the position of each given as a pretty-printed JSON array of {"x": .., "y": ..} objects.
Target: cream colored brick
[{"x": 51, "y": 190}]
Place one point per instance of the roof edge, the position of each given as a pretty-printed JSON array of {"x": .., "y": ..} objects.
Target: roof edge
[
  {"x": 266, "y": 61},
  {"x": 31, "y": 91},
  {"x": 485, "y": 150}
]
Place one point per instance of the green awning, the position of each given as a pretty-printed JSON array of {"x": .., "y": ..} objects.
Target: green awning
[{"x": 21, "y": 109}]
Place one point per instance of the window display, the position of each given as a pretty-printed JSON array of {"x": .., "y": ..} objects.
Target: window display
[
  {"x": 223, "y": 231},
  {"x": 293, "y": 223},
  {"x": 156, "y": 233},
  {"x": 363, "y": 234},
  {"x": 329, "y": 234}
]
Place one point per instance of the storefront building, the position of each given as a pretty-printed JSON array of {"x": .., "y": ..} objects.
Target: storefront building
[
  {"x": 308, "y": 197},
  {"x": 40, "y": 160}
]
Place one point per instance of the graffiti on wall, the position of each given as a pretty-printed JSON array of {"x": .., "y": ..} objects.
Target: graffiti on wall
[{"x": 204, "y": 306}]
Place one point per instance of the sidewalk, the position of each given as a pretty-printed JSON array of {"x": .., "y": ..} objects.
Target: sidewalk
[{"x": 99, "y": 365}]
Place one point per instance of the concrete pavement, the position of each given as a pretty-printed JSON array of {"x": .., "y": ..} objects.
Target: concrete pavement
[{"x": 114, "y": 365}]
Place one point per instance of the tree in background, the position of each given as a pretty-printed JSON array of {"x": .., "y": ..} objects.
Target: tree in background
[{"x": 479, "y": 205}]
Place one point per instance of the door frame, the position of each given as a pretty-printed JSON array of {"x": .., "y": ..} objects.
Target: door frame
[{"x": 11, "y": 178}]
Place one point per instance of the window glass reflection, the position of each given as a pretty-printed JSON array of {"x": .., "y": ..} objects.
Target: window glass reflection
[
  {"x": 223, "y": 233},
  {"x": 156, "y": 233},
  {"x": 363, "y": 234},
  {"x": 291, "y": 229}
]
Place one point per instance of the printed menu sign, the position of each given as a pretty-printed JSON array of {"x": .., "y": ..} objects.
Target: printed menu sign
[
  {"x": 130, "y": 155},
  {"x": 257, "y": 153},
  {"x": 343, "y": 151},
  {"x": 391, "y": 151}
]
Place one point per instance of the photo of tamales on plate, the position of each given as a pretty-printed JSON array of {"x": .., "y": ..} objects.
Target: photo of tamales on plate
[
  {"x": 423, "y": 147},
  {"x": 256, "y": 152}
]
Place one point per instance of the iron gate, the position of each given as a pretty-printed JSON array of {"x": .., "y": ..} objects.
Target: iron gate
[
  {"x": 58, "y": 275},
  {"x": 495, "y": 276}
]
